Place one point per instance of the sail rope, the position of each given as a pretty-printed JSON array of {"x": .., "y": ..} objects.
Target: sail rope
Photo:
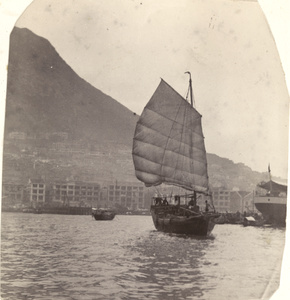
[
  {"x": 169, "y": 135},
  {"x": 211, "y": 200},
  {"x": 187, "y": 94},
  {"x": 180, "y": 145},
  {"x": 157, "y": 191}
]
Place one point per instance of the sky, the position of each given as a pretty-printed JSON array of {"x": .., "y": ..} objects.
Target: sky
[{"x": 124, "y": 47}]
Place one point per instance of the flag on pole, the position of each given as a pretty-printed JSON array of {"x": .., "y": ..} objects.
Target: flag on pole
[{"x": 269, "y": 170}]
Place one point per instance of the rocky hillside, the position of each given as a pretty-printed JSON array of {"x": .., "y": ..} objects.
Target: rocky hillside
[
  {"x": 45, "y": 95},
  {"x": 70, "y": 129}
]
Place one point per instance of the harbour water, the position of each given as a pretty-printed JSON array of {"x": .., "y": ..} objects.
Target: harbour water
[{"x": 75, "y": 257}]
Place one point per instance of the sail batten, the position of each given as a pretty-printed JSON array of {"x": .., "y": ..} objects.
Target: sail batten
[
  {"x": 195, "y": 140},
  {"x": 166, "y": 117},
  {"x": 199, "y": 171},
  {"x": 197, "y": 150},
  {"x": 168, "y": 145}
]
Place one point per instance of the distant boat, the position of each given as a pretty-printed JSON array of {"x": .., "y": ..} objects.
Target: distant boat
[
  {"x": 103, "y": 214},
  {"x": 273, "y": 202},
  {"x": 168, "y": 147},
  {"x": 251, "y": 221}
]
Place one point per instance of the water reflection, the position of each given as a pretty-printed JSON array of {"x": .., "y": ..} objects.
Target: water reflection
[
  {"x": 74, "y": 257},
  {"x": 166, "y": 266}
]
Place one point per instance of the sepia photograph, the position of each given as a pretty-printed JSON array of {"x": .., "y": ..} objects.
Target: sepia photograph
[{"x": 144, "y": 149}]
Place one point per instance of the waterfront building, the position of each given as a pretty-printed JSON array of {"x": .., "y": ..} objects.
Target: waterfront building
[
  {"x": 127, "y": 194},
  {"x": 37, "y": 188},
  {"x": 76, "y": 194},
  {"x": 233, "y": 201},
  {"x": 12, "y": 194},
  {"x": 248, "y": 202}
]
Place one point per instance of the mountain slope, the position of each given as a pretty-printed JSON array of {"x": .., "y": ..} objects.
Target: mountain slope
[{"x": 45, "y": 95}]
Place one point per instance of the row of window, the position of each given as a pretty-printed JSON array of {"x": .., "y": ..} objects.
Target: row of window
[
  {"x": 78, "y": 199},
  {"x": 221, "y": 197},
  {"x": 128, "y": 188},
  {"x": 12, "y": 188},
  {"x": 85, "y": 187},
  {"x": 39, "y": 185},
  {"x": 40, "y": 198},
  {"x": 221, "y": 192},
  {"x": 227, "y": 203},
  {"x": 125, "y": 199},
  {"x": 38, "y": 191},
  {"x": 128, "y": 198},
  {"x": 34, "y": 197},
  {"x": 77, "y": 187},
  {"x": 13, "y": 196},
  {"x": 84, "y": 193},
  {"x": 117, "y": 193}
]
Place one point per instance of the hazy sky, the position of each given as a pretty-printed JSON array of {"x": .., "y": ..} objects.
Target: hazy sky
[{"x": 124, "y": 47}]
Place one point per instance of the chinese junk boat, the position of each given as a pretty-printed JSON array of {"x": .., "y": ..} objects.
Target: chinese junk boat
[
  {"x": 168, "y": 147},
  {"x": 103, "y": 214},
  {"x": 272, "y": 202}
]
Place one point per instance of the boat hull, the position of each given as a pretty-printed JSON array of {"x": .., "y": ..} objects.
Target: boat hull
[
  {"x": 273, "y": 209},
  {"x": 103, "y": 215},
  {"x": 168, "y": 220},
  {"x": 250, "y": 221}
]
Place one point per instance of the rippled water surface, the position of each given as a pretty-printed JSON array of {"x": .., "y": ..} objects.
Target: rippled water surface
[{"x": 74, "y": 257}]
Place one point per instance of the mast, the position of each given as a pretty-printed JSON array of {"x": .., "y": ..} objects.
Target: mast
[
  {"x": 269, "y": 171},
  {"x": 190, "y": 88}
]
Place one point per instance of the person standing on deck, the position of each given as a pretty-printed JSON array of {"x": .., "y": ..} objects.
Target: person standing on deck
[
  {"x": 192, "y": 201},
  {"x": 207, "y": 206}
]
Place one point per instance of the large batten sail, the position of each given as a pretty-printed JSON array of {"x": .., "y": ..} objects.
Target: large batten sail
[{"x": 168, "y": 144}]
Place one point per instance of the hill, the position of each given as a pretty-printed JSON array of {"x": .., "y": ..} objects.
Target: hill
[
  {"x": 58, "y": 126},
  {"x": 44, "y": 95}
]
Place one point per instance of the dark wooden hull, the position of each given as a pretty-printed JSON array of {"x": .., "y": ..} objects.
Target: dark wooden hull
[
  {"x": 171, "y": 220},
  {"x": 104, "y": 216}
]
